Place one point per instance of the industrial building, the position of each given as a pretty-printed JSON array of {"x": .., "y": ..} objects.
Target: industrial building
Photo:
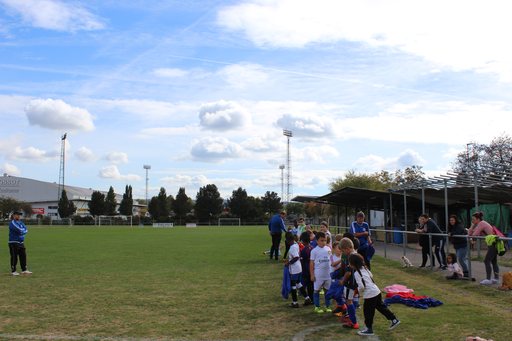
[{"x": 44, "y": 196}]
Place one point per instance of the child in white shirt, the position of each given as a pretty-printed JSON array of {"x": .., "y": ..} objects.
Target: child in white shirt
[
  {"x": 453, "y": 267},
  {"x": 319, "y": 268},
  {"x": 371, "y": 294}
]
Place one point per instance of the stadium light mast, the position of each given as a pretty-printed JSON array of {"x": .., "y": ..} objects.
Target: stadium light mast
[
  {"x": 289, "y": 186},
  {"x": 62, "y": 164},
  {"x": 147, "y": 168},
  {"x": 281, "y": 167}
]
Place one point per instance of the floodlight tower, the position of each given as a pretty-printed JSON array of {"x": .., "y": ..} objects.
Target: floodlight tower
[
  {"x": 289, "y": 186},
  {"x": 281, "y": 167},
  {"x": 62, "y": 163},
  {"x": 147, "y": 168}
]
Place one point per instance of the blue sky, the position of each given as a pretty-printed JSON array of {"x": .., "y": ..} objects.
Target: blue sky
[{"x": 201, "y": 90}]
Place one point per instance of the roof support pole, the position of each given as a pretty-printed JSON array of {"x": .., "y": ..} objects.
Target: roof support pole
[
  {"x": 405, "y": 211},
  {"x": 476, "y": 210},
  {"x": 390, "y": 211},
  {"x": 338, "y": 222},
  {"x": 369, "y": 215},
  {"x": 446, "y": 214},
  {"x": 346, "y": 215},
  {"x": 422, "y": 200}
]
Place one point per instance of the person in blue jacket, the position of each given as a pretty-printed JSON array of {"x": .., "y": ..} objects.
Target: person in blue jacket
[
  {"x": 361, "y": 230},
  {"x": 276, "y": 228},
  {"x": 17, "y": 232}
]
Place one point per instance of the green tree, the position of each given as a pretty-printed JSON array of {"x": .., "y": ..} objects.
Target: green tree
[
  {"x": 358, "y": 180},
  {"x": 110, "y": 202},
  {"x": 271, "y": 203},
  {"x": 97, "y": 204},
  {"x": 294, "y": 208},
  {"x": 63, "y": 207},
  {"x": 9, "y": 205},
  {"x": 154, "y": 208},
  {"x": 410, "y": 175},
  {"x": 238, "y": 203},
  {"x": 126, "y": 206},
  {"x": 164, "y": 209},
  {"x": 71, "y": 208},
  {"x": 255, "y": 212},
  {"x": 209, "y": 204},
  {"x": 181, "y": 205}
]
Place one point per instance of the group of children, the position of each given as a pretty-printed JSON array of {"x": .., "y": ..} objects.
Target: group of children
[{"x": 316, "y": 263}]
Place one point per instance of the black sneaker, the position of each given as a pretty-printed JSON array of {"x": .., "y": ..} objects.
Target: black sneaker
[
  {"x": 293, "y": 305},
  {"x": 308, "y": 302},
  {"x": 367, "y": 331},
  {"x": 394, "y": 323}
]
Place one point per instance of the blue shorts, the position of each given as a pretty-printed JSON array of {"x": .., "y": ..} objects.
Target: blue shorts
[{"x": 295, "y": 277}]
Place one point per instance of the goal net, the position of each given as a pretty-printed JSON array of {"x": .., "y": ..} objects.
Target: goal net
[
  {"x": 109, "y": 220},
  {"x": 229, "y": 221}
]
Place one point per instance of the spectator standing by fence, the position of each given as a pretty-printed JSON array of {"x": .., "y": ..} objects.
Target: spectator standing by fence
[
  {"x": 479, "y": 227},
  {"x": 276, "y": 228},
  {"x": 460, "y": 244}
]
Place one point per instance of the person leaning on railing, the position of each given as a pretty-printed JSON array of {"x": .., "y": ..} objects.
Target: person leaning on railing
[
  {"x": 460, "y": 244},
  {"x": 479, "y": 227}
]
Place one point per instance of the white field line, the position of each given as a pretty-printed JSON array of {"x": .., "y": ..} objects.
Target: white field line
[
  {"x": 91, "y": 338},
  {"x": 301, "y": 336}
]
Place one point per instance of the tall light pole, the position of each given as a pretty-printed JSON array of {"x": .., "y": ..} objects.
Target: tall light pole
[
  {"x": 147, "y": 168},
  {"x": 289, "y": 186},
  {"x": 281, "y": 167},
  {"x": 62, "y": 163}
]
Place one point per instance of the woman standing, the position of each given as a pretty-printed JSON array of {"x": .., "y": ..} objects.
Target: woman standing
[
  {"x": 479, "y": 227},
  {"x": 455, "y": 228}
]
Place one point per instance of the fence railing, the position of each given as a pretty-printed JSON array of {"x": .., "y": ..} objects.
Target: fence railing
[{"x": 446, "y": 244}]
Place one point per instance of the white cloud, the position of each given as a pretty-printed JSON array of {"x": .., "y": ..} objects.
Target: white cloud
[
  {"x": 58, "y": 115},
  {"x": 452, "y": 153},
  {"x": 169, "y": 73},
  {"x": 85, "y": 155},
  {"x": 12, "y": 149},
  {"x": 54, "y": 15},
  {"x": 242, "y": 75},
  {"x": 440, "y": 31},
  {"x": 264, "y": 144},
  {"x": 454, "y": 122},
  {"x": 215, "y": 149},
  {"x": 112, "y": 173},
  {"x": 198, "y": 181},
  {"x": 115, "y": 157},
  {"x": 406, "y": 159},
  {"x": 9, "y": 169},
  {"x": 12, "y": 105},
  {"x": 223, "y": 116},
  {"x": 308, "y": 126}
]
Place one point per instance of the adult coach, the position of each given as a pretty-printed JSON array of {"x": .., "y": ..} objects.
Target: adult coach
[
  {"x": 276, "y": 228},
  {"x": 17, "y": 232},
  {"x": 361, "y": 230}
]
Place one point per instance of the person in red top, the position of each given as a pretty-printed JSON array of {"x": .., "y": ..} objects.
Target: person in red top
[{"x": 479, "y": 227}]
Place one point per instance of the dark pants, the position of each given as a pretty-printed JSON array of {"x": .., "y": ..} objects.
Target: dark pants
[
  {"x": 439, "y": 250},
  {"x": 309, "y": 284},
  {"x": 425, "y": 253},
  {"x": 276, "y": 239},
  {"x": 287, "y": 249},
  {"x": 370, "y": 304},
  {"x": 18, "y": 250},
  {"x": 362, "y": 252},
  {"x": 491, "y": 258}
]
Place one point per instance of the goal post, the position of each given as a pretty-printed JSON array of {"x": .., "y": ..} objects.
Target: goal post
[
  {"x": 108, "y": 219},
  {"x": 229, "y": 221}
]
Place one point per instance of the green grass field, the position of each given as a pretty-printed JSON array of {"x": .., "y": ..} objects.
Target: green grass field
[{"x": 207, "y": 283}]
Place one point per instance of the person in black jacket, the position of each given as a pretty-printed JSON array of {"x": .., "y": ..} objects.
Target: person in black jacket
[
  {"x": 455, "y": 228},
  {"x": 427, "y": 225}
]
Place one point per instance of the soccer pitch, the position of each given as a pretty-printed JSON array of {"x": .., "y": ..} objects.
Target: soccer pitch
[{"x": 95, "y": 283}]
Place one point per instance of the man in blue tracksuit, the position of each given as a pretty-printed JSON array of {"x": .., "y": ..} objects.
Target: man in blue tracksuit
[
  {"x": 17, "y": 232},
  {"x": 275, "y": 228}
]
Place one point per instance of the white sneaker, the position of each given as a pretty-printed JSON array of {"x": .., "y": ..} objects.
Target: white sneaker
[
  {"x": 26, "y": 272},
  {"x": 494, "y": 281},
  {"x": 15, "y": 273},
  {"x": 485, "y": 281}
]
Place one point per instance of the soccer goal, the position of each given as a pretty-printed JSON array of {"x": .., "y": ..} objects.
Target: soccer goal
[
  {"x": 229, "y": 221},
  {"x": 109, "y": 220}
]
